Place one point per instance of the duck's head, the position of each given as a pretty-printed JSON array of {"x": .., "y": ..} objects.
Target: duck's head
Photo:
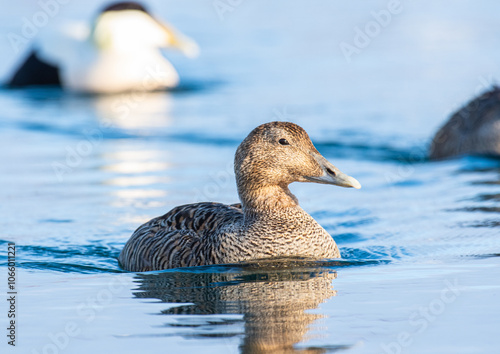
[
  {"x": 129, "y": 26},
  {"x": 278, "y": 153}
]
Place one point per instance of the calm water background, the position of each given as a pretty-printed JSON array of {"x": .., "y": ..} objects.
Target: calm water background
[{"x": 420, "y": 242}]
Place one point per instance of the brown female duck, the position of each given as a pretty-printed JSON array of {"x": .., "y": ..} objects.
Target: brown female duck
[{"x": 269, "y": 221}]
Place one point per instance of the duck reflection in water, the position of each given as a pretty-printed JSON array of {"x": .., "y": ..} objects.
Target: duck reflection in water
[{"x": 274, "y": 299}]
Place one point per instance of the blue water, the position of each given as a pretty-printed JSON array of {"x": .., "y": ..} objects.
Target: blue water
[{"x": 420, "y": 241}]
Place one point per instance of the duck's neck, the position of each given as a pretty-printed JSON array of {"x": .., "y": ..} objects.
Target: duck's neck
[{"x": 266, "y": 199}]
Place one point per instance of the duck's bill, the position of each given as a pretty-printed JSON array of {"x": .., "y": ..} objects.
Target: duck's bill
[
  {"x": 181, "y": 42},
  {"x": 341, "y": 179},
  {"x": 332, "y": 175}
]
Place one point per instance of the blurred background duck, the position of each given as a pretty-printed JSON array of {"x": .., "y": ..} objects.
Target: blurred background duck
[
  {"x": 472, "y": 130},
  {"x": 120, "y": 52}
]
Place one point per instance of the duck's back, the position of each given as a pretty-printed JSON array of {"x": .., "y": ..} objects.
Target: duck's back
[
  {"x": 186, "y": 236},
  {"x": 474, "y": 129}
]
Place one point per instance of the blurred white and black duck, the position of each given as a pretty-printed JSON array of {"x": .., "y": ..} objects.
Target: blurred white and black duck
[
  {"x": 472, "y": 130},
  {"x": 269, "y": 221},
  {"x": 120, "y": 51}
]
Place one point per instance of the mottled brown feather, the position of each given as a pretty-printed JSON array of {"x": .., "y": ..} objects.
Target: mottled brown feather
[
  {"x": 268, "y": 222},
  {"x": 171, "y": 240}
]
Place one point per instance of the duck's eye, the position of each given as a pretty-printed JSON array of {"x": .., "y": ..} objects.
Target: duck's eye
[{"x": 284, "y": 142}]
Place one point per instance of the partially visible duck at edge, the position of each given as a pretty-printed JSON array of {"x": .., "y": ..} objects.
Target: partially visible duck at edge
[
  {"x": 472, "y": 130},
  {"x": 269, "y": 221}
]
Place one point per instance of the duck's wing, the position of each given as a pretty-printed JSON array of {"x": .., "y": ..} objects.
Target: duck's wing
[
  {"x": 34, "y": 71},
  {"x": 180, "y": 238}
]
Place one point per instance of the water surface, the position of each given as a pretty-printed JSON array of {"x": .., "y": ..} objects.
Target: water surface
[{"x": 420, "y": 241}]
